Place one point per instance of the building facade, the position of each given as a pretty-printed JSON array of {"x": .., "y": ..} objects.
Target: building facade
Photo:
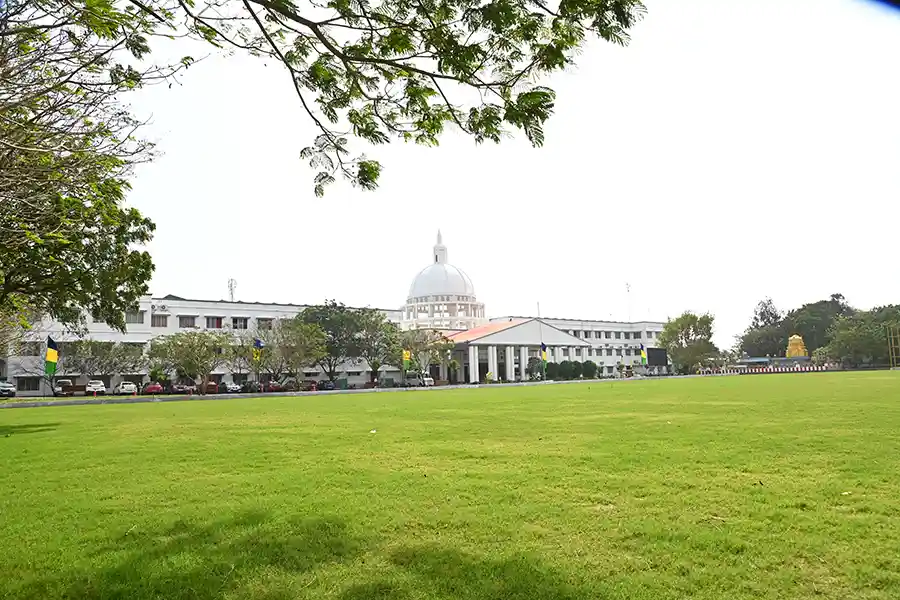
[{"x": 441, "y": 297}]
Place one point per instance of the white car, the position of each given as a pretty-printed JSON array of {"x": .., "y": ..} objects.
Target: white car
[
  {"x": 95, "y": 387},
  {"x": 231, "y": 387},
  {"x": 126, "y": 388}
]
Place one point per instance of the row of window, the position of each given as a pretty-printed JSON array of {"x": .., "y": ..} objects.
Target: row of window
[
  {"x": 190, "y": 321},
  {"x": 600, "y": 352},
  {"x": 628, "y": 335}
]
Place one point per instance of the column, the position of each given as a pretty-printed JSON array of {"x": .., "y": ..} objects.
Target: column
[
  {"x": 523, "y": 363},
  {"x": 510, "y": 363},
  {"x": 492, "y": 361},
  {"x": 473, "y": 364},
  {"x": 443, "y": 371},
  {"x": 572, "y": 354}
]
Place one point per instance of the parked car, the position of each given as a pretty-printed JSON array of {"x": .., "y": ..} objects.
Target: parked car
[
  {"x": 272, "y": 386},
  {"x": 63, "y": 387},
  {"x": 250, "y": 387},
  {"x": 7, "y": 390},
  {"x": 325, "y": 385},
  {"x": 153, "y": 388},
  {"x": 230, "y": 388},
  {"x": 125, "y": 388},
  {"x": 184, "y": 388},
  {"x": 95, "y": 387},
  {"x": 213, "y": 388},
  {"x": 308, "y": 386}
]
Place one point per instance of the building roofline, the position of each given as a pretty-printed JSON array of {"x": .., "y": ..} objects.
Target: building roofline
[
  {"x": 174, "y": 298},
  {"x": 574, "y": 320}
]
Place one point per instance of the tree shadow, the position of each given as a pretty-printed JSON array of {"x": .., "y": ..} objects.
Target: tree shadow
[
  {"x": 448, "y": 573},
  {"x": 203, "y": 561},
  {"x": 8, "y": 430}
]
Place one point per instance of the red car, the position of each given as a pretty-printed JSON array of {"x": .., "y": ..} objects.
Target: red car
[
  {"x": 273, "y": 386},
  {"x": 153, "y": 388}
]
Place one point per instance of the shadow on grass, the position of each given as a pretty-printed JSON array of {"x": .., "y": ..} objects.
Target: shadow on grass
[
  {"x": 200, "y": 562},
  {"x": 447, "y": 573},
  {"x": 8, "y": 430}
]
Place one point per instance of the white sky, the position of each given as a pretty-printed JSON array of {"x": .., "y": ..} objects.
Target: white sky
[{"x": 736, "y": 149}]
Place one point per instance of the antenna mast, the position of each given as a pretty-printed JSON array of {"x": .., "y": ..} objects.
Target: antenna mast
[{"x": 232, "y": 285}]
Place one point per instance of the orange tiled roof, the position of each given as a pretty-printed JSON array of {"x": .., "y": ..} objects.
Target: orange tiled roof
[{"x": 479, "y": 332}]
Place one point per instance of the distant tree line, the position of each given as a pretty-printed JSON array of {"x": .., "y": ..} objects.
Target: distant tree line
[
  {"x": 831, "y": 329},
  {"x": 328, "y": 336}
]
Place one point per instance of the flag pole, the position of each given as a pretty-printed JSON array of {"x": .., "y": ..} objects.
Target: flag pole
[{"x": 541, "y": 349}]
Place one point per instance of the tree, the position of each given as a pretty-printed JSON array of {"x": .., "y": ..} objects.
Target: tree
[
  {"x": 67, "y": 148},
  {"x": 861, "y": 338},
  {"x": 768, "y": 340},
  {"x": 341, "y": 326},
  {"x": 589, "y": 369},
  {"x": 565, "y": 370},
  {"x": 813, "y": 321},
  {"x": 378, "y": 341},
  {"x": 195, "y": 354},
  {"x": 301, "y": 344},
  {"x": 552, "y": 371},
  {"x": 765, "y": 314},
  {"x": 688, "y": 340},
  {"x": 398, "y": 69},
  {"x": 93, "y": 358},
  {"x": 427, "y": 347},
  {"x": 576, "y": 370},
  {"x": 535, "y": 368}
]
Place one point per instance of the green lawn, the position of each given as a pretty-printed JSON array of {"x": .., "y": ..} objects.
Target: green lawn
[{"x": 776, "y": 486}]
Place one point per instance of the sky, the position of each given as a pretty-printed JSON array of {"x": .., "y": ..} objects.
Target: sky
[{"x": 734, "y": 150}]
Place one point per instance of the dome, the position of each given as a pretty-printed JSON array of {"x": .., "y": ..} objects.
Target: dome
[{"x": 441, "y": 279}]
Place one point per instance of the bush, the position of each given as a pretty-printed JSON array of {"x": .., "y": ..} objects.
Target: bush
[
  {"x": 552, "y": 370},
  {"x": 589, "y": 369},
  {"x": 576, "y": 370},
  {"x": 565, "y": 369}
]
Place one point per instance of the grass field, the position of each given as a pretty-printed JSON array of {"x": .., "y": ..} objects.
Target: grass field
[{"x": 779, "y": 486}]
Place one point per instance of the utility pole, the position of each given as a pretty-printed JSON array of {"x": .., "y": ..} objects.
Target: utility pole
[{"x": 628, "y": 294}]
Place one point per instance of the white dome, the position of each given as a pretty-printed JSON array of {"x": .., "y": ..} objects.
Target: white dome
[{"x": 441, "y": 279}]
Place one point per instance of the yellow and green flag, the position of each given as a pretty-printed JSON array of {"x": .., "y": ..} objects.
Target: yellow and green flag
[
  {"x": 406, "y": 359},
  {"x": 52, "y": 357},
  {"x": 643, "y": 355}
]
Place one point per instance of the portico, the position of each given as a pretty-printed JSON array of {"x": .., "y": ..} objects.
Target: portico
[{"x": 504, "y": 348}]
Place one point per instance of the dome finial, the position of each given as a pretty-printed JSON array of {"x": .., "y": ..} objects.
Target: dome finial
[{"x": 440, "y": 250}]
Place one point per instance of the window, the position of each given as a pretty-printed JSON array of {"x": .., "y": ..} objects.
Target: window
[
  {"x": 159, "y": 320},
  {"x": 627, "y": 351},
  {"x": 627, "y": 335},
  {"x": 239, "y": 378},
  {"x": 31, "y": 349},
  {"x": 610, "y": 370},
  {"x": 28, "y": 384},
  {"x": 609, "y": 351},
  {"x": 239, "y": 322},
  {"x": 618, "y": 335},
  {"x": 637, "y": 335},
  {"x": 354, "y": 373},
  {"x": 214, "y": 322},
  {"x": 185, "y": 322},
  {"x": 608, "y": 334},
  {"x": 618, "y": 352},
  {"x": 264, "y": 323},
  {"x": 134, "y": 316}
]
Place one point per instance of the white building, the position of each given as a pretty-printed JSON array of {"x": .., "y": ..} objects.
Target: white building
[{"x": 441, "y": 297}]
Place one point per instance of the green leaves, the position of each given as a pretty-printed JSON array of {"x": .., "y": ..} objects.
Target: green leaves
[{"x": 384, "y": 70}]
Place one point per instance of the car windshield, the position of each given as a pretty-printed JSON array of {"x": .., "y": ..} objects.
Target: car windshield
[{"x": 95, "y": 382}]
